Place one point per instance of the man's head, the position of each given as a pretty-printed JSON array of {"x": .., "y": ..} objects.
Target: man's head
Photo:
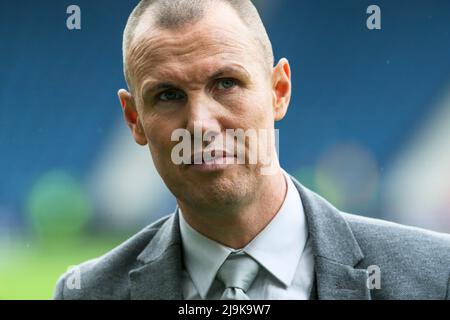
[
  {"x": 167, "y": 14},
  {"x": 201, "y": 61}
]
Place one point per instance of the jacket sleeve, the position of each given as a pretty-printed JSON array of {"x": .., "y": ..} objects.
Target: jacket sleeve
[
  {"x": 58, "y": 294},
  {"x": 447, "y": 297}
]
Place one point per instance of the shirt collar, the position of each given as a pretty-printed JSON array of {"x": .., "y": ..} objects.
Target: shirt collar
[
  {"x": 277, "y": 248},
  {"x": 202, "y": 256}
]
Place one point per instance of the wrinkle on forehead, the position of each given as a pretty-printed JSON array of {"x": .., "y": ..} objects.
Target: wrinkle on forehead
[
  {"x": 155, "y": 53},
  {"x": 206, "y": 39}
]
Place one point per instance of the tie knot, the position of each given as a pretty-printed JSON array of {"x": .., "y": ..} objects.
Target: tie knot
[{"x": 238, "y": 271}]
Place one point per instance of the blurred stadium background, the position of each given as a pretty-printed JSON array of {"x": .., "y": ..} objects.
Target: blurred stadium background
[{"x": 368, "y": 126}]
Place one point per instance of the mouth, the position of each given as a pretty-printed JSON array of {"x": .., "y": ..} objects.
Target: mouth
[{"x": 215, "y": 161}]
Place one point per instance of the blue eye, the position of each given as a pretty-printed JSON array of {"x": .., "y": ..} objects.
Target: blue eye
[
  {"x": 171, "y": 95},
  {"x": 226, "y": 84}
]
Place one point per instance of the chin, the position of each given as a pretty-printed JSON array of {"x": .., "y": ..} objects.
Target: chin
[
  {"x": 218, "y": 188},
  {"x": 216, "y": 197}
]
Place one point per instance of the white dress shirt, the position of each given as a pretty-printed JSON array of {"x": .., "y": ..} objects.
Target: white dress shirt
[{"x": 282, "y": 250}]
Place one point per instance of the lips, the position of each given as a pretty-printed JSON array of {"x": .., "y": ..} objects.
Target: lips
[{"x": 213, "y": 157}]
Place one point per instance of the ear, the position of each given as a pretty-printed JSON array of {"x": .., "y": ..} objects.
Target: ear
[
  {"x": 281, "y": 88},
  {"x": 131, "y": 117}
]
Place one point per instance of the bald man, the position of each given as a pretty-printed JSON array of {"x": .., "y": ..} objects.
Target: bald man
[{"x": 239, "y": 231}]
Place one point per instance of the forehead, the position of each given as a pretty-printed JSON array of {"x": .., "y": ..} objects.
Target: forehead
[{"x": 217, "y": 39}]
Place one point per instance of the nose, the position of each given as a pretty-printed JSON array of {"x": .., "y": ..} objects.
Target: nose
[{"x": 203, "y": 114}]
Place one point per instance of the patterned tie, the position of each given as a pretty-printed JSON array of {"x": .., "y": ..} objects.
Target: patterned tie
[{"x": 237, "y": 274}]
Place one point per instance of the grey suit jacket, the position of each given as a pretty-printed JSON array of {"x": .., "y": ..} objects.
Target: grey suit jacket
[{"x": 413, "y": 263}]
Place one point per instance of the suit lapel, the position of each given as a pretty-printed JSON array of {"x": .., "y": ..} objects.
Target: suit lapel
[
  {"x": 340, "y": 281},
  {"x": 159, "y": 276},
  {"x": 336, "y": 251}
]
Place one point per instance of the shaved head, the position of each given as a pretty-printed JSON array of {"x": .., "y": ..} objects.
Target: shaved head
[{"x": 173, "y": 14}]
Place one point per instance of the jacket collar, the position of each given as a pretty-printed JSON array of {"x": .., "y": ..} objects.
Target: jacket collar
[
  {"x": 336, "y": 251},
  {"x": 159, "y": 278}
]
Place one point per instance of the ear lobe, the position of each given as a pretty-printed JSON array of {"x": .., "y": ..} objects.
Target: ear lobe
[
  {"x": 138, "y": 134},
  {"x": 281, "y": 88},
  {"x": 131, "y": 116}
]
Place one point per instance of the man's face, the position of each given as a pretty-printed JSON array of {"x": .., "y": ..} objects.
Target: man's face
[{"x": 211, "y": 72}]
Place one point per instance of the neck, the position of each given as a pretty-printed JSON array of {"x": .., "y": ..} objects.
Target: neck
[{"x": 240, "y": 224}]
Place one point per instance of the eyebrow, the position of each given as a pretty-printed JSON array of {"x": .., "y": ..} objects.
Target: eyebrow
[
  {"x": 230, "y": 69},
  {"x": 155, "y": 85}
]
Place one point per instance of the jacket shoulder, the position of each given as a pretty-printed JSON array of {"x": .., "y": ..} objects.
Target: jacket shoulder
[
  {"x": 106, "y": 277},
  {"x": 413, "y": 262},
  {"x": 372, "y": 231}
]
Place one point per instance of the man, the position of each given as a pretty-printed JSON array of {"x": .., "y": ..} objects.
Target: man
[{"x": 239, "y": 232}]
